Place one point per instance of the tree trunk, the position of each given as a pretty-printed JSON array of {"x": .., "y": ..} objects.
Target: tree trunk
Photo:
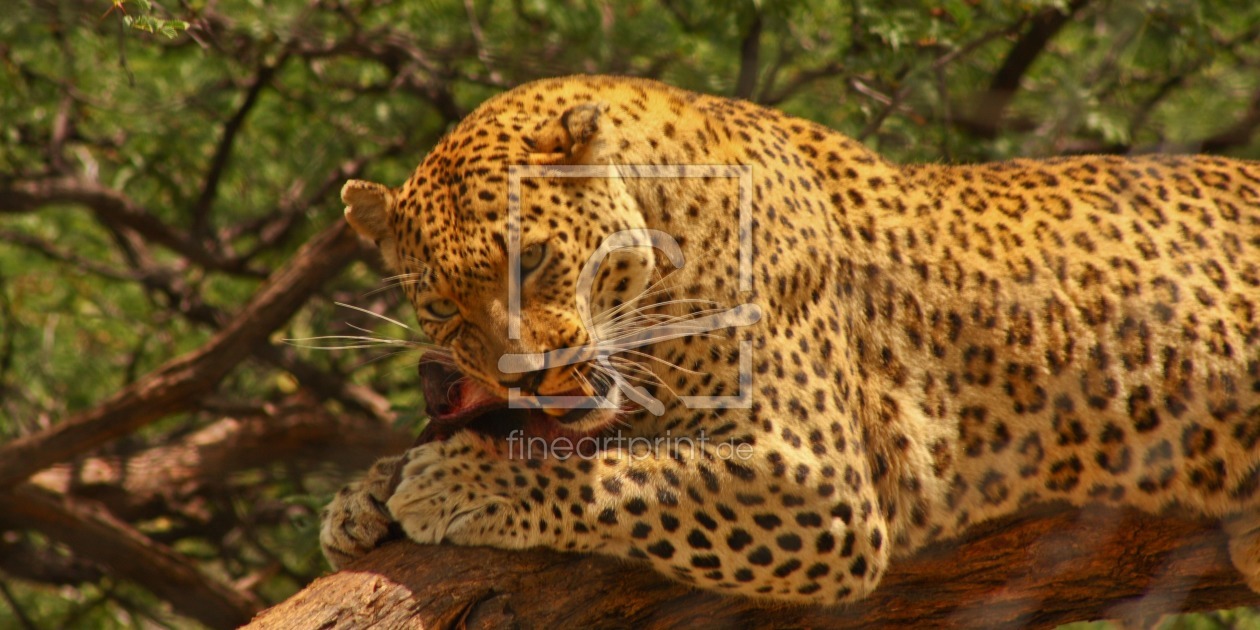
[{"x": 1038, "y": 570}]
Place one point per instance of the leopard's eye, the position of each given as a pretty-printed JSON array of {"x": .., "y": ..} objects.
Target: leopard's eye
[
  {"x": 532, "y": 257},
  {"x": 441, "y": 308}
]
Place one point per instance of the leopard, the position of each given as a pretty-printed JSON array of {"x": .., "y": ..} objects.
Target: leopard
[{"x": 828, "y": 360}]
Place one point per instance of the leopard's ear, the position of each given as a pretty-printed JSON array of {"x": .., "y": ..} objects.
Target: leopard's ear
[
  {"x": 368, "y": 205},
  {"x": 572, "y": 138},
  {"x": 367, "y": 208}
]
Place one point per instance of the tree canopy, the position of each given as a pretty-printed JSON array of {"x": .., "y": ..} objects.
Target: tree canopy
[{"x": 169, "y": 226}]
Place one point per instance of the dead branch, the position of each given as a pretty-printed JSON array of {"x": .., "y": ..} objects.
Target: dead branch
[
  {"x": 1035, "y": 571},
  {"x": 165, "y": 479},
  {"x": 176, "y": 385}
]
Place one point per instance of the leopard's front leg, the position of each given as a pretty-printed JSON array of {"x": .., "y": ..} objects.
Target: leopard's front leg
[{"x": 737, "y": 525}]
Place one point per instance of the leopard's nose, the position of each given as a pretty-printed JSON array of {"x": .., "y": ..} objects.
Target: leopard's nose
[{"x": 526, "y": 381}]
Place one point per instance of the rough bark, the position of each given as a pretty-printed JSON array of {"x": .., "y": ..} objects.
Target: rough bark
[{"x": 1034, "y": 571}]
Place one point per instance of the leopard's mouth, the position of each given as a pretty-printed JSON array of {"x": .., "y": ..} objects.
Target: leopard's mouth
[{"x": 455, "y": 402}]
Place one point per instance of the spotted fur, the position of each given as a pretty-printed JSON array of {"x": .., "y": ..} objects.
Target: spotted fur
[{"x": 940, "y": 345}]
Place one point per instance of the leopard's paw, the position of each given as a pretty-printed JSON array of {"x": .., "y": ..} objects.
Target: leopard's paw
[
  {"x": 448, "y": 494},
  {"x": 1244, "y": 546},
  {"x": 357, "y": 521}
]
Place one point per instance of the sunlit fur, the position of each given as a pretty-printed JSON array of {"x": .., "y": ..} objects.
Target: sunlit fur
[{"x": 939, "y": 344}]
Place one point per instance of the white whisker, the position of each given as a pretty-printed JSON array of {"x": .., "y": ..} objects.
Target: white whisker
[
  {"x": 674, "y": 321},
  {"x": 650, "y": 291},
  {"x": 624, "y": 310},
  {"x": 394, "y": 285},
  {"x": 373, "y": 314},
  {"x": 648, "y": 375},
  {"x": 582, "y": 379},
  {"x": 382, "y": 357},
  {"x": 662, "y": 361},
  {"x": 357, "y": 341}
]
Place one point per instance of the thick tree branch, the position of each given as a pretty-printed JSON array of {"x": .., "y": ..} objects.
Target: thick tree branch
[
  {"x": 176, "y": 385},
  {"x": 183, "y": 299},
  {"x": 25, "y": 560},
  {"x": 49, "y": 251},
  {"x": 749, "y": 59},
  {"x": 990, "y": 107},
  {"x": 1036, "y": 571},
  {"x": 91, "y": 532},
  {"x": 111, "y": 208}
]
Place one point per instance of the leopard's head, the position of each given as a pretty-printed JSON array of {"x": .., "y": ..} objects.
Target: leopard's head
[{"x": 517, "y": 243}]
